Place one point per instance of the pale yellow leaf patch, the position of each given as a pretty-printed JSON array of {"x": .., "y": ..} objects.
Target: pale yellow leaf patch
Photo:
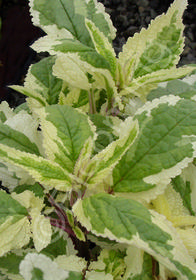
[
  {"x": 41, "y": 230},
  {"x": 73, "y": 263},
  {"x": 14, "y": 234},
  {"x": 28, "y": 200},
  {"x": 68, "y": 68},
  {"x": 8, "y": 112},
  {"x": 136, "y": 45}
]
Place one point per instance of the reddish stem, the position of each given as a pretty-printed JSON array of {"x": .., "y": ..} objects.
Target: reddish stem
[{"x": 60, "y": 224}]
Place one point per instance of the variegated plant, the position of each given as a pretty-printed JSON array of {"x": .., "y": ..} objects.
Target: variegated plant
[{"x": 98, "y": 166}]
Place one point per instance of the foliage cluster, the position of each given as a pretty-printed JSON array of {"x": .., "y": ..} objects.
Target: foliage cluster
[{"x": 99, "y": 161}]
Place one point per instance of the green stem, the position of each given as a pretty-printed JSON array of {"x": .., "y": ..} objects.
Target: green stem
[{"x": 92, "y": 102}]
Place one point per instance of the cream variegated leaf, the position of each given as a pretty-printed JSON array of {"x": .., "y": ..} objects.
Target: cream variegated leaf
[
  {"x": 139, "y": 264},
  {"x": 151, "y": 56},
  {"x": 76, "y": 97},
  {"x": 187, "y": 187},
  {"x": 28, "y": 200},
  {"x": 63, "y": 143},
  {"x": 141, "y": 86},
  {"x": 14, "y": 224},
  {"x": 43, "y": 266},
  {"x": 84, "y": 158},
  {"x": 40, "y": 79},
  {"x": 62, "y": 16},
  {"x": 170, "y": 204},
  {"x": 67, "y": 19},
  {"x": 95, "y": 11},
  {"x": 48, "y": 173},
  {"x": 54, "y": 38},
  {"x": 91, "y": 275},
  {"x": 67, "y": 63},
  {"x": 127, "y": 221},
  {"x": 150, "y": 164},
  {"x": 102, "y": 45},
  {"x": 71, "y": 71},
  {"x": 19, "y": 130},
  {"x": 41, "y": 230},
  {"x": 5, "y": 112},
  {"x": 112, "y": 262},
  {"x": 170, "y": 23},
  {"x": 14, "y": 234},
  {"x": 40, "y": 226},
  {"x": 7, "y": 268},
  {"x": 72, "y": 262},
  {"x": 40, "y": 100},
  {"x": 102, "y": 164}
]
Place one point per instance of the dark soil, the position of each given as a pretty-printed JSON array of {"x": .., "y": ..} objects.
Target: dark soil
[{"x": 128, "y": 16}]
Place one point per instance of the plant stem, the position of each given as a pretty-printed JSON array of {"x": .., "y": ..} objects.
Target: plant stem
[
  {"x": 60, "y": 224},
  {"x": 92, "y": 102}
]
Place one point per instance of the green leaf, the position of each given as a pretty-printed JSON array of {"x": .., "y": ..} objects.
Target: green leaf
[
  {"x": 36, "y": 189},
  {"x": 75, "y": 276},
  {"x": 10, "y": 262},
  {"x": 67, "y": 20},
  {"x": 37, "y": 274},
  {"x": 104, "y": 130},
  {"x": 163, "y": 148},
  {"x": 128, "y": 221},
  {"x": 113, "y": 261},
  {"x": 141, "y": 86},
  {"x": 36, "y": 264},
  {"x": 183, "y": 188},
  {"x": 40, "y": 79},
  {"x": 5, "y": 111},
  {"x": 48, "y": 173},
  {"x": 62, "y": 15},
  {"x": 10, "y": 207},
  {"x": 31, "y": 93},
  {"x": 102, "y": 164},
  {"x": 58, "y": 246},
  {"x": 102, "y": 45},
  {"x": 65, "y": 131},
  {"x": 85, "y": 53},
  {"x": 151, "y": 56},
  {"x": 157, "y": 47},
  {"x": 14, "y": 138},
  {"x": 14, "y": 225},
  {"x": 139, "y": 264},
  {"x": 176, "y": 87},
  {"x": 22, "y": 107}
]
